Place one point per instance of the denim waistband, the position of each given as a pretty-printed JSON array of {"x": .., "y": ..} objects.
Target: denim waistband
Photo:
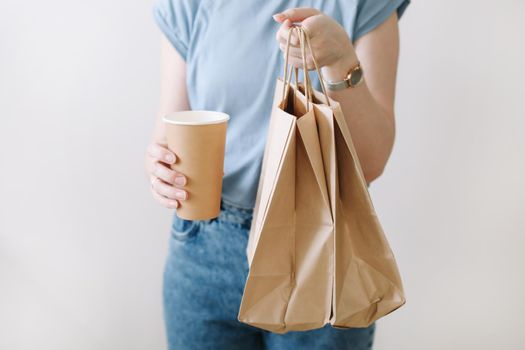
[{"x": 235, "y": 215}]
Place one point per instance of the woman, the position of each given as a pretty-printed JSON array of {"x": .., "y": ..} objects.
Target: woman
[{"x": 226, "y": 56}]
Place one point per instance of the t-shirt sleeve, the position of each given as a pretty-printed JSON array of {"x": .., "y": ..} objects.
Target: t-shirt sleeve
[
  {"x": 175, "y": 20},
  {"x": 371, "y": 13}
]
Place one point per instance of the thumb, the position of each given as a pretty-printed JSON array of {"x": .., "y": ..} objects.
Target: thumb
[{"x": 296, "y": 14}]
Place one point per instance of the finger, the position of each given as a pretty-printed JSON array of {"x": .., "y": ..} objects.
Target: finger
[
  {"x": 297, "y": 14},
  {"x": 161, "y": 153},
  {"x": 282, "y": 34},
  {"x": 168, "y": 190},
  {"x": 282, "y": 28},
  {"x": 168, "y": 175},
  {"x": 297, "y": 62},
  {"x": 294, "y": 51},
  {"x": 279, "y": 17},
  {"x": 168, "y": 203},
  {"x": 294, "y": 41},
  {"x": 297, "y": 54}
]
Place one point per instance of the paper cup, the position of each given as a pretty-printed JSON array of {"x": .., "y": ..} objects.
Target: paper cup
[{"x": 198, "y": 139}]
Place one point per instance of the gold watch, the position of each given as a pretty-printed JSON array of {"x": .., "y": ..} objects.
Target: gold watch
[{"x": 353, "y": 79}]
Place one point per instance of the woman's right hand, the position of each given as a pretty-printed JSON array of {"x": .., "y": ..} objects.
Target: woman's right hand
[{"x": 166, "y": 184}]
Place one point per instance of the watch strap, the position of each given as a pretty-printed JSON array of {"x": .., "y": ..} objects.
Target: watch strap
[{"x": 347, "y": 82}]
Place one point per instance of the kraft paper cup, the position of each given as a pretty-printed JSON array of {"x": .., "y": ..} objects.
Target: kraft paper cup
[{"x": 198, "y": 139}]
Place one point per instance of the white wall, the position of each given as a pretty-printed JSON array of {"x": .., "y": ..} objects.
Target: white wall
[
  {"x": 453, "y": 197},
  {"x": 82, "y": 244}
]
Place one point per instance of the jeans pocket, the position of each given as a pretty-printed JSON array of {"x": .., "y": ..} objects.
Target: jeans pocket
[{"x": 182, "y": 229}]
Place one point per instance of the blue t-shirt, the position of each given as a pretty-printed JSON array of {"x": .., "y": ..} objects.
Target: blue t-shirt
[{"x": 233, "y": 61}]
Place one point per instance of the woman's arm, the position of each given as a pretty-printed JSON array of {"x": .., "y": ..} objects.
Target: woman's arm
[
  {"x": 173, "y": 93},
  {"x": 166, "y": 185},
  {"x": 369, "y": 107}
]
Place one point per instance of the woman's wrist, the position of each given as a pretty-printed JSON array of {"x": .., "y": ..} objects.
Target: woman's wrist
[{"x": 338, "y": 70}]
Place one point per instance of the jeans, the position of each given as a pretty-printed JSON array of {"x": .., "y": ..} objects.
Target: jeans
[{"x": 204, "y": 281}]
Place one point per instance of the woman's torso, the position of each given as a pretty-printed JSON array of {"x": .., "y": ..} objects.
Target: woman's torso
[{"x": 233, "y": 61}]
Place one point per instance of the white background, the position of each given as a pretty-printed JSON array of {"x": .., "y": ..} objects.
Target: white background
[{"x": 82, "y": 245}]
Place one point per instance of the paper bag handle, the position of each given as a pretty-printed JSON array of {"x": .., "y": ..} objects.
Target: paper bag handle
[
  {"x": 304, "y": 32},
  {"x": 288, "y": 69},
  {"x": 303, "y": 38}
]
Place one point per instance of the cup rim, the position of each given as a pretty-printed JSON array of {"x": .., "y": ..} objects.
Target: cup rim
[{"x": 221, "y": 117}]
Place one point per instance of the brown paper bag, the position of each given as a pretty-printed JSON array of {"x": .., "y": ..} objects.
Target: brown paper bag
[{"x": 316, "y": 250}]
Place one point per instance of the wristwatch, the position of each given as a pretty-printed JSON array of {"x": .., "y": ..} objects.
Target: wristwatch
[{"x": 353, "y": 79}]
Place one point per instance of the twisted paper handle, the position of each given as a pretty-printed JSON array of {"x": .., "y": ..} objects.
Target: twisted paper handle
[{"x": 304, "y": 40}]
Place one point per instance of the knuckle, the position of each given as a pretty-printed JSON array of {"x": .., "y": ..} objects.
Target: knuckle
[
  {"x": 164, "y": 173},
  {"x": 160, "y": 187},
  {"x": 155, "y": 150},
  {"x": 166, "y": 203},
  {"x": 306, "y": 28},
  {"x": 154, "y": 186},
  {"x": 151, "y": 150},
  {"x": 163, "y": 154},
  {"x": 179, "y": 194},
  {"x": 160, "y": 170},
  {"x": 156, "y": 155},
  {"x": 165, "y": 189},
  {"x": 155, "y": 169},
  {"x": 283, "y": 35},
  {"x": 170, "y": 176},
  {"x": 170, "y": 192},
  {"x": 156, "y": 196}
]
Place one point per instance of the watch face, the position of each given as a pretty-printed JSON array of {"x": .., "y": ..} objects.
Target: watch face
[{"x": 356, "y": 76}]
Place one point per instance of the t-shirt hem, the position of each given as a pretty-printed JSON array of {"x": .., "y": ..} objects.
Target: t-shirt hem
[{"x": 234, "y": 203}]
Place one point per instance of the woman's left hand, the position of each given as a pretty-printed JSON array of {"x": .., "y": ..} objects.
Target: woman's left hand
[{"x": 330, "y": 42}]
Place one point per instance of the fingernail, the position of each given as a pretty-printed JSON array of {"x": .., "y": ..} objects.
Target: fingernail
[
  {"x": 174, "y": 204},
  {"x": 180, "y": 195},
  {"x": 278, "y": 16},
  {"x": 169, "y": 158},
  {"x": 180, "y": 180}
]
